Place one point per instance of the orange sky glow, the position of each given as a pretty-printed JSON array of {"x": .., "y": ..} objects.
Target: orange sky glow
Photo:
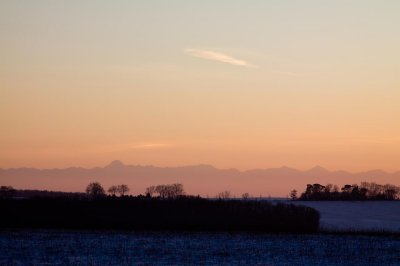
[{"x": 234, "y": 85}]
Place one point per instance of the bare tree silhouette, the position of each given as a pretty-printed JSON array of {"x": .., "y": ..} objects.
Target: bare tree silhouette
[
  {"x": 224, "y": 195},
  {"x": 293, "y": 194},
  {"x": 113, "y": 190},
  {"x": 150, "y": 191},
  {"x": 95, "y": 190},
  {"x": 166, "y": 191},
  {"x": 245, "y": 196},
  {"x": 122, "y": 189}
]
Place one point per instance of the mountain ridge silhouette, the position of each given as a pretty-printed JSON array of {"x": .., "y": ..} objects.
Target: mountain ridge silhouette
[{"x": 203, "y": 179}]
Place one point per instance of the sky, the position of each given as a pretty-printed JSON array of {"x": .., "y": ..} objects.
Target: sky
[{"x": 234, "y": 84}]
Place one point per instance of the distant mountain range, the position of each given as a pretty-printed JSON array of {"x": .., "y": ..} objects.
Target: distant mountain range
[{"x": 205, "y": 180}]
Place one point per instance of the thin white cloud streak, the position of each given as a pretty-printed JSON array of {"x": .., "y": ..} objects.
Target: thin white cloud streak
[
  {"x": 219, "y": 57},
  {"x": 131, "y": 146}
]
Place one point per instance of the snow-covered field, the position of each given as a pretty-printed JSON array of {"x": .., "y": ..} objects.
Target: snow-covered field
[
  {"x": 357, "y": 215},
  {"x": 163, "y": 248},
  {"x": 58, "y": 247}
]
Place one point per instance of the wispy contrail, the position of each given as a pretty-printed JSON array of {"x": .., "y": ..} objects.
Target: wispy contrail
[{"x": 220, "y": 57}]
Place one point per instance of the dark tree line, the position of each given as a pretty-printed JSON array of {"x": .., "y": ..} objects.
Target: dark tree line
[
  {"x": 7, "y": 192},
  {"x": 144, "y": 213},
  {"x": 164, "y": 207},
  {"x": 364, "y": 191},
  {"x": 93, "y": 190}
]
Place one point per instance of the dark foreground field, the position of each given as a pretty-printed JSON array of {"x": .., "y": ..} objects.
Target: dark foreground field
[
  {"x": 168, "y": 248},
  {"x": 140, "y": 213}
]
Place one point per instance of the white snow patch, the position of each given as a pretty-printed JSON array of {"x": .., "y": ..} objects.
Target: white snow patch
[{"x": 357, "y": 215}]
